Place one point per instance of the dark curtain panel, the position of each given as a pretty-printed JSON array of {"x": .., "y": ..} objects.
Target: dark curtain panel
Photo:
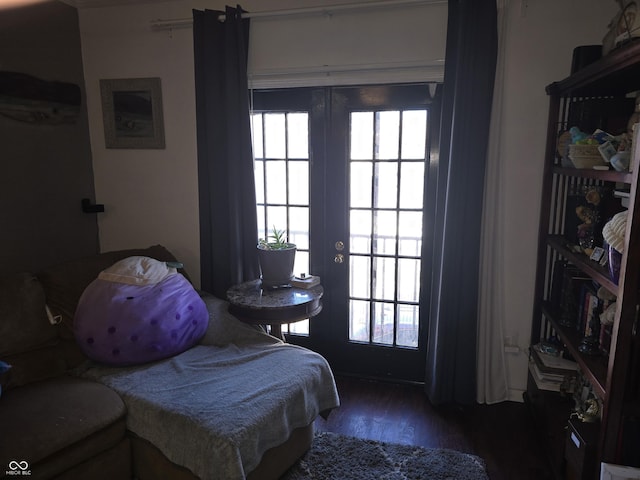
[
  {"x": 466, "y": 111},
  {"x": 228, "y": 231}
]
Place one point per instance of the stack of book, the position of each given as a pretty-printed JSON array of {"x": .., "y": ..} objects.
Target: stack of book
[
  {"x": 550, "y": 372},
  {"x": 576, "y": 305}
]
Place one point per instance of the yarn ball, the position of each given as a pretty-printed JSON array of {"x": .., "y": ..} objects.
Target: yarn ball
[
  {"x": 614, "y": 230},
  {"x": 138, "y": 311}
]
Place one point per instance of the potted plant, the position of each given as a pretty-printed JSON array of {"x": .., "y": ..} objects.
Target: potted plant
[{"x": 276, "y": 256}]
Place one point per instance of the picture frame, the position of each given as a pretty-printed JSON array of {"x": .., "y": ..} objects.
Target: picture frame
[{"x": 132, "y": 113}]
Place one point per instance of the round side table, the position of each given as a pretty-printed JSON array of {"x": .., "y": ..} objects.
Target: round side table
[{"x": 250, "y": 303}]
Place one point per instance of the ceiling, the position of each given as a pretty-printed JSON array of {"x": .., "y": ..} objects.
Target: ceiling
[
  {"x": 103, "y": 3},
  {"x": 273, "y": 4}
]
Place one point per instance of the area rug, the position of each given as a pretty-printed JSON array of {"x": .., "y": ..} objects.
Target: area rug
[{"x": 338, "y": 457}]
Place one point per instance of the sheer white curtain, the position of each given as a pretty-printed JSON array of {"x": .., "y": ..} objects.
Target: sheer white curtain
[{"x": 492, "y": 384}]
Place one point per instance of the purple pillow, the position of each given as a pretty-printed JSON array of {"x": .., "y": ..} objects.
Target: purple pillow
[{"x": 150, "y": 317}]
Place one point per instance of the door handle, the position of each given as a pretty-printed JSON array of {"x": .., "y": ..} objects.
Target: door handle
[{"x": 339, "y": 258}]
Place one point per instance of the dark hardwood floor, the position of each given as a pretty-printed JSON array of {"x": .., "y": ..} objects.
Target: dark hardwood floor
[{"x": 501, "y": 434}]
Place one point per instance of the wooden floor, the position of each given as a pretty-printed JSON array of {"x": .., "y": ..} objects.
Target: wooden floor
[{"x": 501, "y": 434}]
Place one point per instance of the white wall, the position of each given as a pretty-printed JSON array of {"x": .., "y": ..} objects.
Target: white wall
[
  {"x": 46, "y": 167},
  {"x": 151, "y": 195},
  {"x": 540, "y": 40}
]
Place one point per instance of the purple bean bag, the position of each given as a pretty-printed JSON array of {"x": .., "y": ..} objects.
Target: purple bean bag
[{"x": 137, "y": 311}]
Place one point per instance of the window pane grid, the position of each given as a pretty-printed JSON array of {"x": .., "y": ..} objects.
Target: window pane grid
[
  {"x": 281, "y": 162},
  {"x": 393, "y": 242}
]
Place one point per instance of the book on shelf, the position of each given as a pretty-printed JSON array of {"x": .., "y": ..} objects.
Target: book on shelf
[
  {"x": 589, "y": 313},
  {"x": 544, "y": 382},
  {"x": 551, "y": 372},
  {"x": 567, "y": 289},
  {"x": 555, "y": 297},
  {"x": 553, "y": 364}
]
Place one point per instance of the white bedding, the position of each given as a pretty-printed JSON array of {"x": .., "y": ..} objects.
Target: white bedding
[{"x": 219, "y": 406}]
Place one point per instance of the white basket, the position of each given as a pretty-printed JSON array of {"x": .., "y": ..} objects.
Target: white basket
[{"x": 585, "y": 156}]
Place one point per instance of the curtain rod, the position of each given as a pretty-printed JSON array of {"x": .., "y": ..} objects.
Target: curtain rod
[
  {"x": 363, "y": 67},
  {"x": 168, "y": 24}
]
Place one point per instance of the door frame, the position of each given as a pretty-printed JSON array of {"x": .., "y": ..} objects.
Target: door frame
[
  {"x": 329, "y": 194},
  {"x": 373, "y": 360}
]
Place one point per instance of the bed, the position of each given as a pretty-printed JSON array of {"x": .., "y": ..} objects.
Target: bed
[{"x": 214, "y": 410}]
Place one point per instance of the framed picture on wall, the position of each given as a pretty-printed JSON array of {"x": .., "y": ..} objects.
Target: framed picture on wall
[{"x": 132, "y": 113}]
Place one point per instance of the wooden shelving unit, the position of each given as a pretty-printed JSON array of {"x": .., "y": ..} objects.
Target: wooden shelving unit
[
  {"x": 593, "y": 367},
  {"x": 614, "y": 378}
]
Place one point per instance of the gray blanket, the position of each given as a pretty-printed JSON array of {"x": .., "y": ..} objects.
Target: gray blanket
[{"x": 219, "y": 406}]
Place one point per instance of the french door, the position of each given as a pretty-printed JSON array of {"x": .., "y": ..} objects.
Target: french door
[{"x": 345, "y": 170}]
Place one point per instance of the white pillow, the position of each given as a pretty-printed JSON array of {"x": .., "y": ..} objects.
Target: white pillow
[{"x": 137, "y": 271}]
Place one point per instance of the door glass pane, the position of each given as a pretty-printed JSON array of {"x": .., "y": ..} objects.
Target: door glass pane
[
  {"x": 383, "y": 323},
  {"x": 360, "y": 232},
  {"x": 384, "y": 279},
  {"x": 301, "y": 264},
  {"x": 408, "y": 325},
  {"x": 276, "y": 173},
  {"x": 274, "y": 135},
  {"x": 256, "y": 132},
  {"x": 258, "y": 171},
  {"x": 414, "y": 134},
  {"x": 298, "y": 183},
  {"x": 359, "y": 326},
  {"x": 408, "y": 279},
  {"x": 276, "y": 216},
  {"x": 386, "y": 233},
  {"x": 411, "y": 184},
  {"x": 388, "y": 135},
  {"x": 361, "y": 184},
  {"x": 359, "y": 276},
  {"x": 299, "y": 227},
  {"x": 386, "y": 193},
  {"x": 361, "y": 135},
  {"x": 298, "y": 135},
  {"x": 299, "y": 328},
  {"x": 410, "y": 234},
  {"x": 262, "y": 221}
]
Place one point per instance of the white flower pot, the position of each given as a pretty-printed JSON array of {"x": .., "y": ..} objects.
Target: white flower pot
[{"x": 276, "y": 265}]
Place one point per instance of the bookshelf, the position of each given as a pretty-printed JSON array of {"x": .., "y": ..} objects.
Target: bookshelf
[{"x": 612, "y": 376}]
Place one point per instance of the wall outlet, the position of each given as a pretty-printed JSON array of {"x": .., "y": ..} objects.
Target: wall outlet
[{"x": 511, "y": 344}]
